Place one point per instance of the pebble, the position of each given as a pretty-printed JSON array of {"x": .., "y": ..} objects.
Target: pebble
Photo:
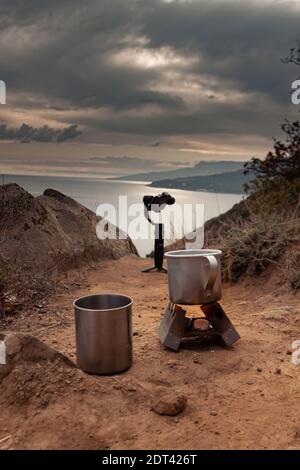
[
  {"x": 197, "y": 361},
  {"x": 169, "y": 405},
  {"x": 172, "y": 364},
  {"x": 201, "y": 324}
]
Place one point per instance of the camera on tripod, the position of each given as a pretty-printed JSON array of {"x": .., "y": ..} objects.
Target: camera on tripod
[
  {"x": 157, "y": 204},
  {"x": 160, "y": 201}
]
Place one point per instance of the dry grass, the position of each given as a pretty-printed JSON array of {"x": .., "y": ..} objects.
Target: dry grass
[
  {"x": 25, "y": 284},
  {"x": 292, "y": 269},
  {"x": 250, "y": 247}
]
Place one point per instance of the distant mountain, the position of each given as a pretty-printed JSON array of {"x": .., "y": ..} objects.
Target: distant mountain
[
  {"x": 122, "y": 164},
  {"x": 228, "y": 182},
  {"x": 201, "y": 169}
]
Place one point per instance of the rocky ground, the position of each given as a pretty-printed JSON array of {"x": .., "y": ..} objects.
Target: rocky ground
[{"x": 240, "y": 398}]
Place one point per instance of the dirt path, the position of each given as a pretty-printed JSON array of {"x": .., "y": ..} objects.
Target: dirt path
[{"x": 243, "y": 398}]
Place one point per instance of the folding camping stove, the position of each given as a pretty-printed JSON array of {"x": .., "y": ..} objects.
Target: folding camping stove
[{"x": 175, "y": 327}]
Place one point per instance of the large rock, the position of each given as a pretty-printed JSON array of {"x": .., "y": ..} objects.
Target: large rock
[
  {"x": 52, "y": 230},
  {"x": 17, "y": 348},
  {"x": 33, "y": 372}
]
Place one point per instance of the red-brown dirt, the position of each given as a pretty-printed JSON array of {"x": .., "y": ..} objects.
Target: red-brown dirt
[{"x": 240, "y": 398}]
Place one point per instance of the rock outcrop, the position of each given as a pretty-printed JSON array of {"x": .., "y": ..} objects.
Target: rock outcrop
[{"x": 52, "y": 230}]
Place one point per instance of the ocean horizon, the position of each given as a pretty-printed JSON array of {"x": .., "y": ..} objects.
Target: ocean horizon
[{"x": 91, "y": 192}]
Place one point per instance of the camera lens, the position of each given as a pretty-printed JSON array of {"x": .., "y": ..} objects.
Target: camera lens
[{"x": 171, "y": 201}]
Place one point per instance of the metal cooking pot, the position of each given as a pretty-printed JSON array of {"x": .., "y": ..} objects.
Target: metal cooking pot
[
  {"x": 194, "y": 276},
  {"x": 103, "y": 333}
]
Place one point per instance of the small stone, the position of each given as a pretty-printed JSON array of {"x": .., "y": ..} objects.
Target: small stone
[
  {"x": 278, "y": 371},
  {"x": 10, "y": 304},
  {"x": 169, "y": 405},
  {"x": 172, "y": 364},
  {"x": 259, "y": 369},
  {"x": 13, "y": 345},
  {"x": 201, "y": 324},
  {"x": 214, "y": 413},
  {"x": 197, "y": 361}
]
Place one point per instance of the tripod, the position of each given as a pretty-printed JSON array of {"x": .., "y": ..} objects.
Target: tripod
[
  {"x": 157, "y": 204},
  {"x": 158, "y": 250}
]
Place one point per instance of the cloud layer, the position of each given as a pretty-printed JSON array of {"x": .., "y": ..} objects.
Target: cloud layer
[
  {"x": 26, "y": 134},
  {"x": 148, "y": 70}
]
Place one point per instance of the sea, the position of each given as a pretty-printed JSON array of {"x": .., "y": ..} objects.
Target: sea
[{"x": 95, "y": 192}]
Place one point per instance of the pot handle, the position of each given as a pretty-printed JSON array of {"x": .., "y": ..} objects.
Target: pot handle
[{"x": 213, "y": 263}]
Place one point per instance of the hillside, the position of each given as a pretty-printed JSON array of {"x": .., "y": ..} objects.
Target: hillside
[
  {"x": 257, "y": 241},
  {"x": 229, "y": 182},
  {"x": 200, "y": 169},
  {"x": 47, "y": 235},
  {"x": 46, "y": 402}
]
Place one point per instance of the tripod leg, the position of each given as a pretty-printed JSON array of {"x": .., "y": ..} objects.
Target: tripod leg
[
  {"x": 154, "y": 269},
  {"x": 163, "y": 270},
  {"x": 149, "y": 270},
  {"x": 158, "y": 251},
  {"x": 159, "y": 247}
]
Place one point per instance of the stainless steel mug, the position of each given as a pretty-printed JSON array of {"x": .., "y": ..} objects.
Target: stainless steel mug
[
  {"x": 103, "y": 333},
  {"x": 194, "y": 276}
]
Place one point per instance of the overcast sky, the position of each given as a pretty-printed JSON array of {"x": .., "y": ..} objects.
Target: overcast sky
[{"x": 181, "y": 80}]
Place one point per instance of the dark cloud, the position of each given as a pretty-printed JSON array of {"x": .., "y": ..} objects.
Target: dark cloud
[
  {"x": 71, "y": 55},
  {"x": 26, "y": 133}
]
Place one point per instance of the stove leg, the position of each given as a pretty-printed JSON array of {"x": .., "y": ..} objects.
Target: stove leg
[
  {"x": 221, "y": 323},
  {"x": 172, "y": 327}
]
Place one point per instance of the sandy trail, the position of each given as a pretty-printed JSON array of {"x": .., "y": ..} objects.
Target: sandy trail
[{"x": 242, "y": 398}]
